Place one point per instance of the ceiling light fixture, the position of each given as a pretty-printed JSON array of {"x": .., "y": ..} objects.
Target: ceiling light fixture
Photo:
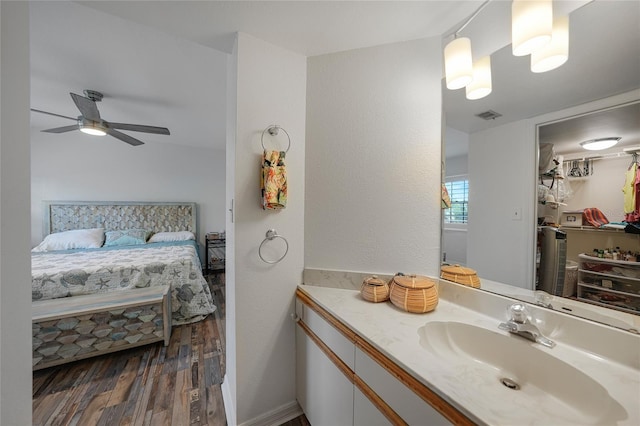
[
  {"x": 531, "y": 25},
  {"x": 556, "y": 52},
  {"x": 480, "y": 86},
  {"x": 458, "y": 62},
  {"x": 600, "y": 143},
  {"x": 91, "y": 127},
  {"x": 458, "y": 65}
]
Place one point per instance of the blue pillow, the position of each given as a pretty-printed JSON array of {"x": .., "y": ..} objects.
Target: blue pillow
[{"x": 126, "y": 237}]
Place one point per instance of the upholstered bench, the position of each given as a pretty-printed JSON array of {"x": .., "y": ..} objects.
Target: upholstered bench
[{"x": 78, "y": 327}]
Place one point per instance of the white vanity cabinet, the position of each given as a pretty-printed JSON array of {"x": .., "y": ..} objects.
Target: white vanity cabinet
[
  {"x": 324, "y": 392},
  {"x": 406, "y": 403},
  {"x": 365, "y": 413},
  {"x": 343, "y": 380}
]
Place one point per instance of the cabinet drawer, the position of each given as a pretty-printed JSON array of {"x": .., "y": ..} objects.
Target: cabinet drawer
[
  {"x": 611, "y": 267},
  {"x": 323, "y": 391},
  {"x": 337, "y": 342},
  {"x": 409, "y": 406},
  {"x": 365, "y": 413},
  {"x": 610, "y": 282}
]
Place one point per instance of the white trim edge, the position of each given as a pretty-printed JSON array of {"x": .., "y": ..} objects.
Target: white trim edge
[
  {"x": 277, "y": 416},
  {"x": 229, "y": 409}
]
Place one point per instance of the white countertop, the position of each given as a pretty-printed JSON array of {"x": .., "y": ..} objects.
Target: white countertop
[{"x": 395, "y": 333}]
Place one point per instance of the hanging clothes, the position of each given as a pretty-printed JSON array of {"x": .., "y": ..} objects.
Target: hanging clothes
[{"x": 631, "y": 190}]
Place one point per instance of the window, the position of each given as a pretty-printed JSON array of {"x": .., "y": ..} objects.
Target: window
[{"x": 459, "y": 194}]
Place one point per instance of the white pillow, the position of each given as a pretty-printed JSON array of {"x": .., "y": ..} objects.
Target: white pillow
[
  {"x": 161, "y": 237},
  {"x": 75, "y": 239}
]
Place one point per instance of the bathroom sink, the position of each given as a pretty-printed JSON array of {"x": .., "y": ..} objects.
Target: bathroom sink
[{"x": 519, "y": 372}]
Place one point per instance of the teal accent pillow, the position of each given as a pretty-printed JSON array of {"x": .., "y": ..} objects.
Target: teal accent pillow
[{"x": 126, "y": 237}]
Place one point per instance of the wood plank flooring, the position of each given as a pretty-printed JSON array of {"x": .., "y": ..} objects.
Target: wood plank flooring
[{"x": 150, "y": 385}]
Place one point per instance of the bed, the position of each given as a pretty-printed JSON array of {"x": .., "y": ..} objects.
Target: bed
[{"x": 123, "y": 268}]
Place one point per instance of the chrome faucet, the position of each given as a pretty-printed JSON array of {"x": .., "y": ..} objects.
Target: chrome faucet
[{"x": 520, "y": 324}]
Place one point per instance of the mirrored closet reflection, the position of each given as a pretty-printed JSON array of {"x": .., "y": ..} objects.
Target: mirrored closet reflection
[{"x": 588, "y": 208}]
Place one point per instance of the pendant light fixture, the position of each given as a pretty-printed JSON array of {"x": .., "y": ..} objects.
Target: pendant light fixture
[
  {"x": 556, "y": 52},
  {"x": 531, "y": 25},
  {"x": 458, "y": 62},
  {"x": 458, "y": 65},
  {"x": 480, "y": 86}
]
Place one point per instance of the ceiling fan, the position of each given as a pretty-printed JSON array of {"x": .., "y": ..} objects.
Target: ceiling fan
[{"x": 91, "y": 123}]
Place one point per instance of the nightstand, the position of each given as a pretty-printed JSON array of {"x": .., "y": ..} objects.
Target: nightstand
[{"x": 214, "y": 251}]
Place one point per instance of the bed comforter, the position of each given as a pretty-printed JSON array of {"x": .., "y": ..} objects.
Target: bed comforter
[{"x": 75, "y": 272}]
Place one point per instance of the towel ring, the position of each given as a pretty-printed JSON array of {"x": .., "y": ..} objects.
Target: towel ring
[
  {"x": 272, "y": 234},
  {"x": 273, "y": 131}
]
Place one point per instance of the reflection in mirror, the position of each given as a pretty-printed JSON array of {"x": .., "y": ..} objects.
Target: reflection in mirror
[
  {"x": 588, "y": 233},
  {"x": 498, "y": 159}
]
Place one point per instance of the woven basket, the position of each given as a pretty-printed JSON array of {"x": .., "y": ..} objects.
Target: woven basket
[
  {"x": 461, "y": 275},
  {"x": 413, "y": 293},
  {"x": 374, "y": 290}
]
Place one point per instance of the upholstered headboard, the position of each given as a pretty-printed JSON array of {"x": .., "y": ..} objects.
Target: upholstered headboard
[{"x": 114, "y": 215}]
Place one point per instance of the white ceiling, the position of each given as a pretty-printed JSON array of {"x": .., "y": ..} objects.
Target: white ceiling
[
  {"x": 307, "y": 27},
  {"x": 141, "y": 55},
  {"x": 604, "y": 60}
]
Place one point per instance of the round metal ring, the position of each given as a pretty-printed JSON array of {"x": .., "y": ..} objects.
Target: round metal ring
[
  {"x": 273, "y": 131},
  {"x": 272, "y": 234}
]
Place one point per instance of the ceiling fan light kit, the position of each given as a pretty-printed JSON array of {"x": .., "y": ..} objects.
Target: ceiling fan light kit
[
  {"x": 91, "y": 127},
  {"x": 91, "y": 123},
  {"x": 534, "y": 31}
]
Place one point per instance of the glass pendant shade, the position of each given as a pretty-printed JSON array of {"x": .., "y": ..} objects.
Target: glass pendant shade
[
  {"x": 480, "y": 86},
  {"x": 556, "y": 52},
  {"x": 531, "y": 25},
  {"x": 458, "y": 65}
]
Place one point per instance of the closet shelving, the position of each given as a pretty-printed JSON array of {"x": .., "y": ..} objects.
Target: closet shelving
[{"x": 610, "y": 283}]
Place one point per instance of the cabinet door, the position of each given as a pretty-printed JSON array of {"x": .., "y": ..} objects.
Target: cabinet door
[
  {"x": 324, "y": 393},
  {"x": 409, "y": 406},
  {"x": 365, "y": 413}
]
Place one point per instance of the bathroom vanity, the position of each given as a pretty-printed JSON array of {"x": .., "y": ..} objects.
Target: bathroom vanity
[{"x": 367, "y": 363}]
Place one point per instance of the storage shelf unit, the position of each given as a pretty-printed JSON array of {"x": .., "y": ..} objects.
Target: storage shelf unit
[
  {"x": 610, "y": 283},
  {"x": 215, "y": 251}
]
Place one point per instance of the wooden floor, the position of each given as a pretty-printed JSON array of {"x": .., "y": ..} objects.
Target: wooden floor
[{"x": 150, "y": 385}]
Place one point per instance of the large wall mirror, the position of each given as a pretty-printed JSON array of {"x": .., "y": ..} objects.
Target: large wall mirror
[{"x": 492, "y": 166}]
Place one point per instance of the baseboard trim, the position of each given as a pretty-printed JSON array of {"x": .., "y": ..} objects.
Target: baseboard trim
[
  {"x": 277, "y": 416},
  {"x": 229, "y": 409}
]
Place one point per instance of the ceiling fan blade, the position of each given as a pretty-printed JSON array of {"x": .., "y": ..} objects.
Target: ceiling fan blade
[
  {"x": 87, "y": 107},
  {"x": 62, "y": 129},
  {"x": 51, "y": 113},
  {"x": 139, "y": 128},
  {"x": 125, "y": 138}
]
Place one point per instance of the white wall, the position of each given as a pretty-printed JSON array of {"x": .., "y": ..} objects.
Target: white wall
[
  {"x": 603, "y": 189},
  {"x": 15, "y": 265},
  {"x": 501, "y": 184},
  {"x": 230, "y": 379},
  {"x": 373, "y": 159},
  {"x": 105, "y": 169},
  {"x": 271, "y": 88}
]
